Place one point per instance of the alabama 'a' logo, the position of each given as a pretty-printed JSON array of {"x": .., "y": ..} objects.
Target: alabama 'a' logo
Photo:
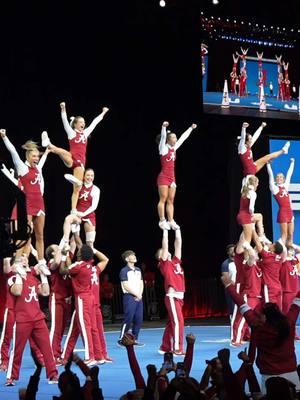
[
  {"x": 81, "y": 138},
  {"x": 32, "y": 295}
]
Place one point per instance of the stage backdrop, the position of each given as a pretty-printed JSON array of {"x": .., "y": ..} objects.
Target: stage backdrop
[{"x": 282, "y": 164}]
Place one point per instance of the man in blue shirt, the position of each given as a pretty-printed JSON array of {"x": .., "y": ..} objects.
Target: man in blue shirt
[
  {"x": 132, "y": 286},
  {"x": 228, "y": 270}
]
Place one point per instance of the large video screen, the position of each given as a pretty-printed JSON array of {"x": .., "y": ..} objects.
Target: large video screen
[
  {"x": 250, "y": 67},
  {"x": 281, "y": 165}
]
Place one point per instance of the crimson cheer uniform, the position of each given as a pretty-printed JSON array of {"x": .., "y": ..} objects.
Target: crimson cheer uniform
[
  {"x": 98, "y": 325},
  {"x": 245, "y": 152},
  {"x": 239, "y": 327},
  {"x": 285, "y": 212},
  {"x": 31, "y": 179},
  {"x": 281, "y": 194},
  {"x": 8, "y": 327},
  {"x": 271, "y": 265},
  {"x": 249, "y": 167},
  {"x": 244, "y": 216},
  {"x": 252, "y": 284},
  {"x": 100, "y": 350},
  {"x": 289, "y": 283},
  {"x": 174, "y": 284},
  {"x": 167, "y": 174},
  {"x": 59, "y": 306},
  {"x": 78, "y": 140},
  {"x": 87, "y": 203},
  {"x": 83, "y": 319},
  {"x": 168, "y": 156},
  {"x": 78, "y": 146},
  {"x": 30, "y": 321},
  {"x": 31, "y": 183}
]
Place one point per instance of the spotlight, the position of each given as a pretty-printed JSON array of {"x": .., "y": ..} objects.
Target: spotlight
[
  {"x": 215, "y": 2},
  {"x": 162, "y": 3}
]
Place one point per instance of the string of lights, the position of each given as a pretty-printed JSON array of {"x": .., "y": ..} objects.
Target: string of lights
[{"x": 249, "y": 31}]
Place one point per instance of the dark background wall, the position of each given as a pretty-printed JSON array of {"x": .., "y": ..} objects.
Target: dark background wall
[{"x": 142, "y": 62}]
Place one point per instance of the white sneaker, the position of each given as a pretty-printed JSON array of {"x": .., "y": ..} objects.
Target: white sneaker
[
  {"x": 100, "y": 362},
  {"x": 173, "y": 225},
  {"x": 286, "y": 147},
  {"x": 75, "y": 228},
  {"x": 164, "y": 225},
  {"x": 90, "y": 363},
  {"x": 72, "y": 179},
  {"x": 45, "y": 139}
]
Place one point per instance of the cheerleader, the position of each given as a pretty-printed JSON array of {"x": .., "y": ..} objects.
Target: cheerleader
[
  {"x": 243, "y": 58},
  {"x": 246, "y": 216},
  {"x": 279, "y": 188},
  {"x": 260, "y": 73},
  {"x": 287, "y": 82},
  {"x": 243, "y": 83},
  {"x": 233, "y": 75},
  {"x": 168, "y": 144},
  {"x": 30, "y": 175},
  {"x": 87, "y": 204},
  {"x": 251, "y": 167},
  {"x": 76, "y": 157},
  {"x": 204, "y": 52}
]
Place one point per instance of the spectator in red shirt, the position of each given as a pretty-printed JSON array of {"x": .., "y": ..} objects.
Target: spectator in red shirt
[{"x": 273, "y": 333}]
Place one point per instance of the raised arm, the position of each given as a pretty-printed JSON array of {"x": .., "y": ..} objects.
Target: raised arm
[
  {"x": 9, "y": 174},
  {"x": 69, "y": 130},
  {"x": 162, "y": 147},
  {"x": 43, "y": 159},
  {"x": 252, "y": 194},
  {"x": 165, "y": 245},
  {"x": 252, "y": 256},
  {"x": 257, "y": 133},
  {"x": 289, "y": 174},
  {"x": 103, "y": 260},
  {"x": 20, "y": 166},
  {"x": 95, "y": 122},
  {"x": 235, "y": 59},
  {"x": 178, "y": 244},
  {"x": 96, "y": 196},
  {"x": 128, "y": 341},
  {"x": 184, "y": 136},
  {"x": 258, "y": 245},
  {"x": 242, "y": 145},
  {"x": 274, "y": 188},
  {"x": 44, "y": 288}
]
